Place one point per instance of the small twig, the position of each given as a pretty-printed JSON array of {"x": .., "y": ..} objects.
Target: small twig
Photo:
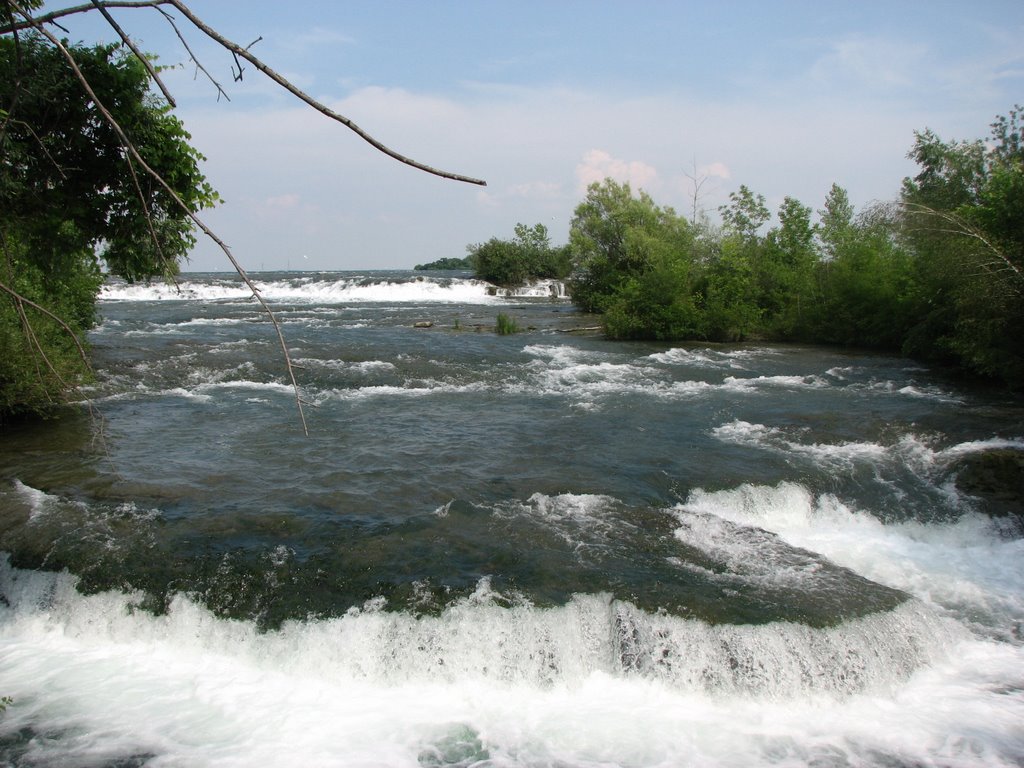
[
  {"x": 241, "y": 70},
  {"x": 193, "y": 57}
]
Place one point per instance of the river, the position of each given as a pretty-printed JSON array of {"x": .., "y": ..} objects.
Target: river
[{"x": 536, "y": 549}]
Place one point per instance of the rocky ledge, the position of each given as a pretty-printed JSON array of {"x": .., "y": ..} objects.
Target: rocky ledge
[{"x": 996, "y": 477}]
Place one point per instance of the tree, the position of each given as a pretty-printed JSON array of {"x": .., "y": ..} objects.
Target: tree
[
  {"x": 70, "y": 200},
  {"x": 656, "y": 302},
  {"x": 143, "y": 218},
  {"x": 611, "y": 238},
  {"x": 729, "y": 292},
  {"x": 786, "y": 271},
  {"x": 745, "y": 214},
  {"x": 633, "y": 261},
  {"x": 867, "y": 294},
  {"x": 835, "y": 221},
  {"x": 963, "y": 214},
  {"x": 527, "y": 256}
]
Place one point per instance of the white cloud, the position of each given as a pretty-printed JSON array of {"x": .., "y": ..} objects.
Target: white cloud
[
  {"x": 282, "y": 202},
  {"x": 538, "y": 149},
  {"x": 873, "y": 63},
  {"x": 714, "y": 171},
  {"x": 537, "y": 190},
  {"x": 598, "y": 165}
]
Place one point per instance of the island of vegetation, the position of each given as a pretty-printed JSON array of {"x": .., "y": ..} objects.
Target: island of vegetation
[
  {"x": 937, "y": 275},
  {"x": 451, "y": 263}
]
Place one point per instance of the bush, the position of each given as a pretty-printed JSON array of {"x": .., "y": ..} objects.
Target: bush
[
  {"x": 505, "y": 325},
  {"x": 511, "y": 263}
]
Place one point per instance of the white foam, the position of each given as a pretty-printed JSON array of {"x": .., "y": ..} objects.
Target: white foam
[
  {"x": 579, "y": 519},
  {"x": 341, "y": 288},
  {"x": 594, "y": 683},
  {"x": 711, "y": 358},
  {"x": 362, "y": 367},
  {"x": 769, "y": 382},
  {"x": 913, "y": 451},
  {"x": 969, "y": 567},
  {"x": 416, "y": 389}
]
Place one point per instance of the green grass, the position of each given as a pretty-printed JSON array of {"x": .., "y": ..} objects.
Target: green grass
[{"x": 505, "y": 325}]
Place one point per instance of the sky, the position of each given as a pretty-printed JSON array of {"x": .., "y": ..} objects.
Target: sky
[{"x": 685, "y": 100}]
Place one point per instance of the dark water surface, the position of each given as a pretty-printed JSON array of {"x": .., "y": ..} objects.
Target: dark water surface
[{"x": 537, "y": 549}]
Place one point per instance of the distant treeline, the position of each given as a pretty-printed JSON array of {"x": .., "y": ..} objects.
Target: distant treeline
[
  {"x": 450, "y": 263},
  {"x": 937, "y": 275}
]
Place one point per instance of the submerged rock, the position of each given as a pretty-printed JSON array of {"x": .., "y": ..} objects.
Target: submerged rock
[{"x": 996, "y": 477}]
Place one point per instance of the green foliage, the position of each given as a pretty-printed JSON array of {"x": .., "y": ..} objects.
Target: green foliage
[
  {"x": 450, "y": 262},
  {"x": 786, "y": 272},
  {"x": 730, "y": 294},
  {"x": 527, "y": 256},
  {"x": 655, "y": 303},
  {"x": 963, "y": 215},
  {"x": 745, "y": 214},
  {"x": 940, "y": 275},
  {"x": 70, "y": 200},
  {"x": 867, "y": 286},
  {"x": 5, "y": 702},
  {"x": 835, "y": 222},
  {"x": 505, "y": 325},
  {"x": 616, "y": 237}
]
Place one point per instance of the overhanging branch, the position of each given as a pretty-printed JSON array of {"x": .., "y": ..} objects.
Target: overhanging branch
[
  {"x": 240, "y": 52},
  {"x": 134, "y": 152}
]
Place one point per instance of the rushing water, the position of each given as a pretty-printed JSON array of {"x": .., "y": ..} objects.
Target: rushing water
[{"x": 540, "y": 549}]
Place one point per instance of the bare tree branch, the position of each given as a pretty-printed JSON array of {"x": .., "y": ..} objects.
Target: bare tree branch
[
  {"x": 52, "y": 16},
  {"x": 138, "y": 54},
  {"x": 133, "y": 151},
  {"x": 698, "y": 182},
  {"x": 193, "y": 57},
  {"x": 244, "y": 53},
  {"x": 954, "y": 224},
  {"x": 318, "y": 106}
]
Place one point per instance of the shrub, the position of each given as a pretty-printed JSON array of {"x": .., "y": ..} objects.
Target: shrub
[{"x": 505, "y": 325}]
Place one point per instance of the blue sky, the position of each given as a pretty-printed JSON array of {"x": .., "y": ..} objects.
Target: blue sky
[{"x": 540, "y": 98}]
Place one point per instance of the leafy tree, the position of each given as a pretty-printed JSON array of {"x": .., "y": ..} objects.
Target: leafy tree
[
  {"x": 656, "y": 302},
  {"x": 867, "y": 287},
  {"x": 835, "y": 222},
  {"x": 745, "y": 214},
  {"x": 141, "y": 235},
  {"x": 786, "y": 271},
  {"x": 729, "y": 292},
  {"x": 963, "y": 215},
  {"x": 70, "y": 200},
  {"x": 527, "y": 256},
  {"x": 614, "y": 237}
]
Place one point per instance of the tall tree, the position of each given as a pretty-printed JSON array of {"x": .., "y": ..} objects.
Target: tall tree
[
  {"x": 786, "y": 270},
  {"x": 835, "y": 221},
  {"x": 745, "y": 214},
  {"x": 71, "y": 201},
  {"x": 611, "y": 237},
  {"x": 964, "y": 217}
]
